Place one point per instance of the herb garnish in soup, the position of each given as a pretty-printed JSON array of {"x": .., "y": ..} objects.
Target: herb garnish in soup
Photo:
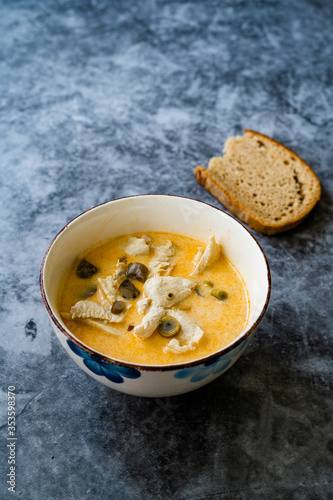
[{"x": 155, "y": 298}]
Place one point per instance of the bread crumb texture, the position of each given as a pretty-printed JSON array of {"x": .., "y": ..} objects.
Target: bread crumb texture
[{"x": 262, "y": 182}]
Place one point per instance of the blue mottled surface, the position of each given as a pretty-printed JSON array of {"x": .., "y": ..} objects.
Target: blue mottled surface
[{"x": 106, "y": 99}]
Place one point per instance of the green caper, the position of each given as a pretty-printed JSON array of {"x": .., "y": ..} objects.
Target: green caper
[
  {"x": 208, "y": 283},
  {"x": 168, "y": 327},
  {"x": 170, "y": 296},
  {"x": 120, "y": 279},
  {"x": 118, "y": 307},
  {"x": 219, "y": 294},
  {"x": 185, "y": 308},
  {"x": 85, "y": 270},
  {"x": 120, "y": 273}
]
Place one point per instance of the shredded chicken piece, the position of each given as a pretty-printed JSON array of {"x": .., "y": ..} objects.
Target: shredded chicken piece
[
  {"x": 110, "y": 291},
  {"x": 162, "y": 261},
  {"x": 143, "y": 305},
  {"x": 138, "y": 246},
  {"x": 108, "y": 288},
  {"x": 89, "y": 309},
  {"x": 121, "y": 267},
  {"x": 198, "y": 255},
  {"x": 166, "y": 291},
  {"x": 210, "y": 255},
  {"x": 189, "y": 336},
  {"x": 150, "y": 322}
]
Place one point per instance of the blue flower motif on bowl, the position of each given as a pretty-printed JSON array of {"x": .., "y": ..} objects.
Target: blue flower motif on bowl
[
  {"x": 115, "y": 373},
  {"x": 210, "y": 367}
]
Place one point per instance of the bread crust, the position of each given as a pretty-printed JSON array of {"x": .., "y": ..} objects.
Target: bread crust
[{"x": 234, "y": 206}]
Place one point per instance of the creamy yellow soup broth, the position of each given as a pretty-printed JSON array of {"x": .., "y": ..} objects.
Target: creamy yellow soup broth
[{"x": 221, "y": 320}]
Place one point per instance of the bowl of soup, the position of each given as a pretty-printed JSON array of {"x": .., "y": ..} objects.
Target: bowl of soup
[{"x": 155, "y": 295}]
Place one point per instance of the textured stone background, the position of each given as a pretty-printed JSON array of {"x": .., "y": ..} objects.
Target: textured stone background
[{"x": 105, "y": 99}]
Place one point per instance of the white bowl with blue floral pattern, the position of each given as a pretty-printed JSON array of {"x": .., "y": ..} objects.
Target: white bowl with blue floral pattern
[{"x": 165, "y": 213}]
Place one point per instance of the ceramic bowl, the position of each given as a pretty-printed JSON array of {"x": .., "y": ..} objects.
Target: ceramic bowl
[{"x": 171, "y": 214}]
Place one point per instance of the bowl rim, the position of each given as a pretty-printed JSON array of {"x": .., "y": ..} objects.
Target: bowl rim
[{"x": 146, "y": 367}]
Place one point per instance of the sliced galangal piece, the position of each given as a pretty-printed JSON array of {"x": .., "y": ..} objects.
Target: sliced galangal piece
[
  {"x": 189, "y": 336},
  {"x": 208, "y": 257},
  {"x": 102, "y": 325}
]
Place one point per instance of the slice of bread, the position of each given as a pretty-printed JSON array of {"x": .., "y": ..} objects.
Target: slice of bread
[{"x": 265, "y": 184}]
